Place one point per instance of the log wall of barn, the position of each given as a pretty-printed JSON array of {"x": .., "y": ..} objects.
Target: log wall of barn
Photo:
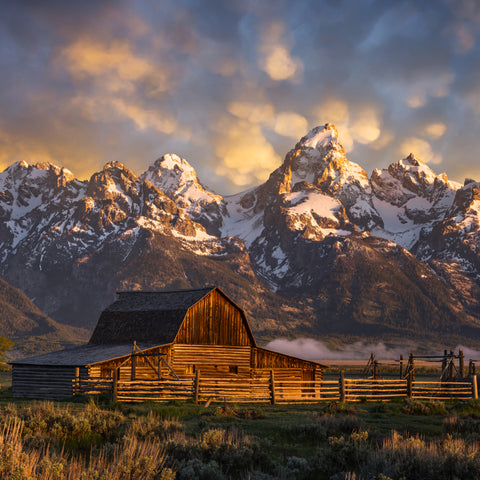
[
  {"x": 211, "y": 360},
  {"x": 214, "y": 321},
  {"x": 43, "y": 381}
]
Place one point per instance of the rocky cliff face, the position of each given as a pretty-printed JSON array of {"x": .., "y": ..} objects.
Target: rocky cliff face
[{"x": 319, "y": 247}]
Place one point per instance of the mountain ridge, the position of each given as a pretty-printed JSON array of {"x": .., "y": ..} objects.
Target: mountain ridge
[{"x": 303, "y": 240}]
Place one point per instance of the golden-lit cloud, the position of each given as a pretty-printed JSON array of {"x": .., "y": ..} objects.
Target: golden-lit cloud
[
  {"x": 417, "y": 100},
  {"x": 383, "y": 140},
  {"x": 114, "y": 109},
  {"x": 278, "y": 63},
  {"x": 145, "y": 118},
  {"x": 276, "y": 59},
  {"x": 245, "y": 154},
  {"x": 358, "y": 124},
  {"x": 287, "y": 124},
  {"x": 421, "y": 149},
  {"x": 436, "y": 130},
  {"x": 365, "y": 126},
  {"x": 262, "y": 113},
  {"x": 437, "y": 86},
  {"x": 225, "y": 67},
  {"x": 290, "y": 124},
  {"x": 81, "y": 158},
  {"x": 115, "y": 66}
]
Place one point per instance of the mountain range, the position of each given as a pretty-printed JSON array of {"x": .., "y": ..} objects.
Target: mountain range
[{"x": 320, "y": 249}]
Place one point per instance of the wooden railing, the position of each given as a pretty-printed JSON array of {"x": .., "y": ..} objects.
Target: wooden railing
[
  {"x": 271, "y": 390},
  {"x": 154, "y": 390},
  {"x": 369, "y": 389}
]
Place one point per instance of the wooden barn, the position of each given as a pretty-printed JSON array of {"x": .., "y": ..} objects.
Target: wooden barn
[{"x": 175, "y": 335}]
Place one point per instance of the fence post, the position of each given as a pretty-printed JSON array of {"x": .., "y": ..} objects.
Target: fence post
[
  {"x": 273, "y": 399},
  {"x": 401, "y": 366},
  {"x": 133, "y": 370},
  {"x": 461, "y": 361},
  {"x": 197, "y": 385},
  {"x": 410, "y": 384},
  {"x": 116, "y": 375},
  {"x": 76, "y": 385},
  {"x": 451, "y": 365},
  {"x": 474, "y": 387},
  {"x": 342, "y": 386}
]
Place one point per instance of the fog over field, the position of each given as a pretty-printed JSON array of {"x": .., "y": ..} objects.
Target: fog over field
[{"x": 311, "y": 349}]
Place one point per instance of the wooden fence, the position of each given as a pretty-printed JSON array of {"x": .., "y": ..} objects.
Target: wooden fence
[{"x": 271, "y": 390}]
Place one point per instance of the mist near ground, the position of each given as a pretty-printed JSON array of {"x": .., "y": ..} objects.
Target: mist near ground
[{"x": 316, "y": 350}]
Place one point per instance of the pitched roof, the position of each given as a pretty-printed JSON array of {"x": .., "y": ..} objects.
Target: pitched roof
[
  {"x": 80, "y": 356},
  {"x": 145, "y": 316},
  {"x": 171, "y": 300}
]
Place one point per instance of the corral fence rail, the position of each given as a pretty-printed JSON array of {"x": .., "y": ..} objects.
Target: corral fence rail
[{"x": 271, "y": 390}]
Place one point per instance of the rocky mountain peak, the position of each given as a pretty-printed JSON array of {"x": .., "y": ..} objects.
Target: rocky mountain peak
[
  {"x": 175, "y": 177},
  {"x": 467, "y": 198},
  {"x": 171, "y": 173},
  {"x": 320, "y": 137},
  {"x": 319, "y": 158}
]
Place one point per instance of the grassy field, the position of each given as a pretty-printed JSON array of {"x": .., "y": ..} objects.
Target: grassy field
[{"x": 99, "y": 440}]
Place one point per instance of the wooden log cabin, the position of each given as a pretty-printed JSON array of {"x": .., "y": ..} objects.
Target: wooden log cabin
[{"x": 162, "y": 334}]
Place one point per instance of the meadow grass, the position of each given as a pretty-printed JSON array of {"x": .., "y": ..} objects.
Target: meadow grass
[{"x": 96, "y": 439}]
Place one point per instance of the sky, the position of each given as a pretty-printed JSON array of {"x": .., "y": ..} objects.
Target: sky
[{"x": 232, "y": 85}]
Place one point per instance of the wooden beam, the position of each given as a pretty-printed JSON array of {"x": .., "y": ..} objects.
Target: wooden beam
[
  {"x": 197, "y": 385},
  {"x": 273, "y": 399}
]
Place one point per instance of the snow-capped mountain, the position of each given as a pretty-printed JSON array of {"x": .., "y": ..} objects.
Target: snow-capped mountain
[
  {"x": 319, "y": 245},
  {"x": 410, "y": 198}
]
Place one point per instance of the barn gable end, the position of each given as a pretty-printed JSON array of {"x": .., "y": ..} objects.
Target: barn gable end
[
  {"x": 215, "y": 320},
  {"x": 141, "y": 316}
]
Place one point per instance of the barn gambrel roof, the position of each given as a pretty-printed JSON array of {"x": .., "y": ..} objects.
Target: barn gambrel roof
[{"x": 153, "y": 317}]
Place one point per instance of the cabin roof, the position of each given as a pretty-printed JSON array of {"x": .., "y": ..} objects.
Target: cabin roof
[
  {"x": 169, "y": 300},
  {"x": 154, "y": 316},
  {"x": 80, "y": 356}
]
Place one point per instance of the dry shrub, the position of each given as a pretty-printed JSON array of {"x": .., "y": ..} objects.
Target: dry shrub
[{"x": 132, "y": 459}]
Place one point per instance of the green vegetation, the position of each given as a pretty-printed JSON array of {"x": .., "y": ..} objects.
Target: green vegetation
[
  {"x": 95, "y": 439},
  {"x": 5, "y": 344}
]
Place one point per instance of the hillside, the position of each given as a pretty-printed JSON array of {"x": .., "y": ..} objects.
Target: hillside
[{"x": 30, "y": 329}]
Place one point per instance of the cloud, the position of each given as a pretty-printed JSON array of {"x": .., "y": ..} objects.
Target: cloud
[
  {"x": 145, "y": 118},
  {"x": 290, "y": 124},
  {"x": 465, "y": 37},
  {"x": 287, "y": 124},
  {"x": 360, "y": 124},
  {"x": 365, "y": 126},
  {"x": 428, "y": 86},
  {"x": 276, "y": 59},
  {"x": 114, "y": 65},
  {"x": 435, "y": 130},
  {"x": 315, "y": 350},
  {"x": 383, "y": 140},
  {"x": 261, "y": 113},
  {"x": 421, "y": 149},
  {"x": 81, "y": 157},
  {"x": 245, "y": 154}
]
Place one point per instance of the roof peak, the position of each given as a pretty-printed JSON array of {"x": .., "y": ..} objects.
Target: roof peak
[{"x": 119, "y": 292}]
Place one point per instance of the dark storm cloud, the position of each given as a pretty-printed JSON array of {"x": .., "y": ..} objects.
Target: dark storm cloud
[{"x": 215, "y": 81}]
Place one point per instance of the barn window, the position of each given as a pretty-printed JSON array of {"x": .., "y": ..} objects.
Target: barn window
[{"x": 233, "y": 369}]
